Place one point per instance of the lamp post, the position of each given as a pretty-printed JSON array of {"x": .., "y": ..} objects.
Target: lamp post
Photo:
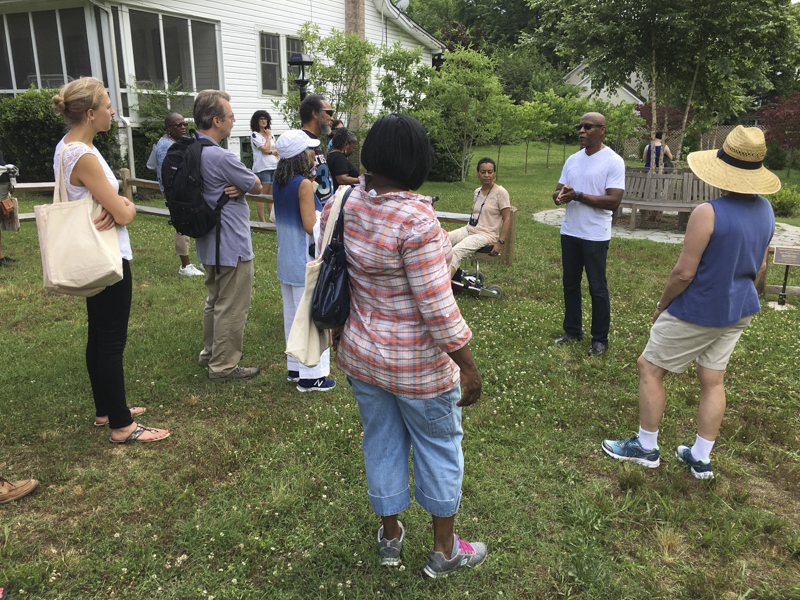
[{"x": 302, "y": 61}]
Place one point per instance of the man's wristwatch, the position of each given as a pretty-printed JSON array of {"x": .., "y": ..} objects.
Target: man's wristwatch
[
  {"x": 500, "y": 242},
  {"x": 658, "y": 305},
  {"x": 579, "y": 196}
]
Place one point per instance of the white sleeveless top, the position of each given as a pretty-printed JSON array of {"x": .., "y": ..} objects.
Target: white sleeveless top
[{"x": 78, "y": 192}]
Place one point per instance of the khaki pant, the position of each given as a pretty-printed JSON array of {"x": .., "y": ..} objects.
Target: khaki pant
[
  {"x": 465, "y": 244},
  {"x": 182, "y": 244},
  {"x": 225, "y": 315}
]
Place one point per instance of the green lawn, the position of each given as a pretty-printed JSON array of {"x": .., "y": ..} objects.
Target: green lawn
[{"x": 260, "y": 492}]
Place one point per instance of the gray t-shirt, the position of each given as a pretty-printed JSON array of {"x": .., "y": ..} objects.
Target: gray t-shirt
[{"x": 222, "y": 168}]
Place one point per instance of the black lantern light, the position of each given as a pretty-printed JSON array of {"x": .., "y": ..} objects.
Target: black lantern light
[{"x": 302, "y": 61}]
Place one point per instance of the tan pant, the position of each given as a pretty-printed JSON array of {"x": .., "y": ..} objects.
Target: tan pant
[
  {"x": 225, "y": 315},
  {"x": 465, "y": 244},
  {"x": 182, "y": 244}
]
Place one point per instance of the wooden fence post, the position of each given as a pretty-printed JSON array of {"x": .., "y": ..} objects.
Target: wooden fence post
[{"x": 127, "y": 188}]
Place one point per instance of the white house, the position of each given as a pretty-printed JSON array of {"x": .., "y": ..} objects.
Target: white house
[
  {"x": 240, "y": 46},
  {"x": 627, "y": 93}
]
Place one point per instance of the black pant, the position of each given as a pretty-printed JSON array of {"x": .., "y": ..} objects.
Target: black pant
[
  {"x": 577, "y": 254},
  {"x": 108, "y": 332}
]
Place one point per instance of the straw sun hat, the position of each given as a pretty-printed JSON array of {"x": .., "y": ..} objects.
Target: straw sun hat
[{"x": 737, "y": 166}]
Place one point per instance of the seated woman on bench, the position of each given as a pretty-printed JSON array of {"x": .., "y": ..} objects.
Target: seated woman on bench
[{"x": 491, "y": 208}]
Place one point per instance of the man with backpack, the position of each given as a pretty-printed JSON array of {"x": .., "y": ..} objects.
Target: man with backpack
[{"x": 227, "y": 249}]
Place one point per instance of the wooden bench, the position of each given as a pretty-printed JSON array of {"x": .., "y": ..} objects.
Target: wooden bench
[
  {"x": 127, "y": 183},
  {"x": 679, "y": 191}
]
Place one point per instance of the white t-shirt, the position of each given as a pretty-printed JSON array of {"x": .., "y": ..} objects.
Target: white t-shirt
[
  {"x": 261, "y": 161},
  {"x": 78, "y": 192},
  {"x": 591, "y": 175}
]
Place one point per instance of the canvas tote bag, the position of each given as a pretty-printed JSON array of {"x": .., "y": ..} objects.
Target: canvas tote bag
[
  {"x": 306, "y": 343},
  {"x": 77, "y": 259}
]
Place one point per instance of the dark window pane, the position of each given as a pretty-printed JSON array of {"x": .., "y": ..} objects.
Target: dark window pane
[
  {"x": 293, "y": 46},
  {"x": 51, "y": 72},
  {"x": 126, "y": 109},
  {"x": 270, "y": 64},
  {"x": 204, "y": 42},
  {"x": 99, "y": 17},
  {"x": 246, "y": 152},
  {"x": 176, "y": 49},
  {"x": 19, "y": 31},
  {"x": 5, "y": 70},
  {"x": 76, "y": 43},
  {"x": 146, "y": 40},
  {"x": 123, "y": 77}
]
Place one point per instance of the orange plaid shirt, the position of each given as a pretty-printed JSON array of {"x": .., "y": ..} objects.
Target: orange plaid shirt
[{"x": 403, "y": 317}]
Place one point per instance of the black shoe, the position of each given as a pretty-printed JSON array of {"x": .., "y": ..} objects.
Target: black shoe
[
  {"x": 567, "y": 337},
  {"x": 597, "y": 348}
]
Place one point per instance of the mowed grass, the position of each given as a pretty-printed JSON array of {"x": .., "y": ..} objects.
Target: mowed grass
[{"x": 260, "y": 491}]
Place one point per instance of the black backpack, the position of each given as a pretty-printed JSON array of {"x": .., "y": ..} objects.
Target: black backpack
[{"x": 182, "y": 178}]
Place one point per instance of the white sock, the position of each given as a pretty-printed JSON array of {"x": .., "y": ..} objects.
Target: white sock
[
  {"x": 701, "y": 449},
  {"x": 648, "y": 439}
]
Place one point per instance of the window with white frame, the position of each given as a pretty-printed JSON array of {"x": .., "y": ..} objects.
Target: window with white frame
[
  {"x": 293, "y": 46},
  {"x": 270, "y": 64},
  {"x": 43, "y": 49}
]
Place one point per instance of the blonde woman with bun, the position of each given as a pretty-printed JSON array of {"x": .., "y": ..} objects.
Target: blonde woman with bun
[{"x": 85, "y": 105}]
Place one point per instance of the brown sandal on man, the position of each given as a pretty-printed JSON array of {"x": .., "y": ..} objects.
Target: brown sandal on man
[
  {"x": 136, "y": 410},
  {"x": 134, "y": 436}
]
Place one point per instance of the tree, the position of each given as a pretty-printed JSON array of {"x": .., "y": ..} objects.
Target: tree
[
  {"x": 435, "y": 15},
  {"x": 154, "y": 104},
  {"x": 782, "y": 121},
  {"x": 341, "y": 72},
  {"x": 458, "y": 109},
  {"x": 506, "y": 125},
  {"x": 404, "y": 80},
  {"x": 523, "y": 71},
  {"x": 534, "y": 124},
  {"x": 566, "y": 114},
  {"x": 622, "y": 121},
  {"x": 457, "y": 35}
]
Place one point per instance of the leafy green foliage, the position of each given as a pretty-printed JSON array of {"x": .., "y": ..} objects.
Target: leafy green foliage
[
  {"x": 622, "y": 120},
  {"x": 786, "y": 202},
  {"x": 534, "y": 123},
  {"x": 341, "y": 71},
  {"x": 154, "y": 104},
  {"x": 30, "y": 131},
  {"x": 782, "y": 122},
  {"x": 523, "y": 71},
  {"x": 776, "y": 158},
  {"x": 404, "y": 80}
]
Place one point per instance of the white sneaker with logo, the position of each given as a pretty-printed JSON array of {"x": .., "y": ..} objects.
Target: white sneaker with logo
[{"x": 190, "y": 271}]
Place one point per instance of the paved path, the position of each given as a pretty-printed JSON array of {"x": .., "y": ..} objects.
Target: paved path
[{"x": 785, "y": 235}]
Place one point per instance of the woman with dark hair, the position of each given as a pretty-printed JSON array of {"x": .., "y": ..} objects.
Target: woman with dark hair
[
  {"x": 660, "y": 147},
  {"x": 491, "y": 209},
  {"x": 342, "y": 170},
  {"x": 336, "y": 125},
  {"x": 405, "y": 346},
  {"x": 265, "y": 157},
  {"x": 296, "y": 213}
]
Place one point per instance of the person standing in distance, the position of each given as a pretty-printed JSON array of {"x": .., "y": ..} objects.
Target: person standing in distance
[
  {"x": 265, "y": 157},
  {"x": 591, "y": 186},
  {"x": 316, "y": 115}
]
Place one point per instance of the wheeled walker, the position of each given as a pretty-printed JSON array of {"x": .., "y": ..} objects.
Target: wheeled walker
[{"x": 470, "y": 279}]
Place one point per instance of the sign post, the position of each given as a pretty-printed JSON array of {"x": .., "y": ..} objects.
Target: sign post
[{"x": 789, "y": 256}]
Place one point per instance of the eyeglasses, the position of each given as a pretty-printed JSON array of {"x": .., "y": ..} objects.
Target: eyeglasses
[
  {"x": 587, "y": 126},
  {"x": 329, "y": 111}
]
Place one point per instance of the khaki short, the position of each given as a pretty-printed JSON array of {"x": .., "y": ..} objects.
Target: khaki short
[{"x": 674, "y": 344}]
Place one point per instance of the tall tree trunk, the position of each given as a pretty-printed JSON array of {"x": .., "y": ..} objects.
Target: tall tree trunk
[
  {"x": 653, "y": 110},
  {"x": 689, "y": 104},
  {"x": 666, "y": 128}
]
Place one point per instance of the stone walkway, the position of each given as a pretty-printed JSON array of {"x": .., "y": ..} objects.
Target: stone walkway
[{"x": 785, "y": 235}]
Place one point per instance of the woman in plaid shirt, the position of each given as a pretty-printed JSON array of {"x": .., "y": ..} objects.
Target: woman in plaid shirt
[{"x": 405, "y": 345}]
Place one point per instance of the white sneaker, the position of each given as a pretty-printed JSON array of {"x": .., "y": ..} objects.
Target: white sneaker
[{"x": 190, "y": 270}]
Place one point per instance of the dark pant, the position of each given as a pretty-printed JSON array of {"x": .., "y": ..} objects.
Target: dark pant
[
  {"x": 108, "y": 332},
  {"x": 576, "y": 255}
]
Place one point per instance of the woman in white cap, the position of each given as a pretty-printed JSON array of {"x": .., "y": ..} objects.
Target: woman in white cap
[
  {"x": 296, "y": 212},
  {"x": 709, "y": 299}
]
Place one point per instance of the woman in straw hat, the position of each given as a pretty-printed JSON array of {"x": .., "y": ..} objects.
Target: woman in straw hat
[{"x": 709, "y": 299}]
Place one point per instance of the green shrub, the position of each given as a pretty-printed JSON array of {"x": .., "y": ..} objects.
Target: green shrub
[
  {"x": 444, "y": 168},
  {"x": 30, "y": 131},
  {"x": 786, "y": 203},
  {"x": 776, "y": 158}
]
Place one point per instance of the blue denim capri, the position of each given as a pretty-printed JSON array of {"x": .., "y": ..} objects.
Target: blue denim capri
[
  {"x": 392, "y": 426},
  {"x": 266, "y": 176}
]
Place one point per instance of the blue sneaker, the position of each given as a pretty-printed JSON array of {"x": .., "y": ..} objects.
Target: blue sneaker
[
  {"x": 315, "y": 385},
  {"x": 293, "y": 376},
  {"x": 389, "y": 550},
  {"x": 701, "y": 469},
  {"x": 632, "y": 450}
]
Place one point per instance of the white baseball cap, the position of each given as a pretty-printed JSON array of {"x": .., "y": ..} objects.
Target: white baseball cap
[{"x": 293, "y": 142}]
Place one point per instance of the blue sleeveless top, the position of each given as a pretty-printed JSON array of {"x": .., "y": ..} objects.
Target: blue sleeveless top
[
  {"x": 650, "y": 155},
  {"x": 293, "y": 241},
  {"x": 723, "y": 289}
]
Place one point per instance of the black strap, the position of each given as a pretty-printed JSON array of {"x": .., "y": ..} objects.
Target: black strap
[
  {"x": 338, "y": 231},
  {"x": 218, "y": 211},
  {"x": 738, "y": 163}
]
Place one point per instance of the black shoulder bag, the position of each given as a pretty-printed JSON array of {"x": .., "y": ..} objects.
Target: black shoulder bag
[{"x": 330, "y": 304}]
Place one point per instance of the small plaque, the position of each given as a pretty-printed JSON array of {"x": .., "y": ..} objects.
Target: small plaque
[{"x": 787, "y": 255}]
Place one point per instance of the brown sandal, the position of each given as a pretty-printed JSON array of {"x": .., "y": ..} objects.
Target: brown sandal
[{"x": 134, "y": 436}]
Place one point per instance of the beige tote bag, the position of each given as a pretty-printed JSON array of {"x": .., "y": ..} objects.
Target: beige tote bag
[
  {"x": 306, "y": 343},
  {"x": 77, "y": 259}
]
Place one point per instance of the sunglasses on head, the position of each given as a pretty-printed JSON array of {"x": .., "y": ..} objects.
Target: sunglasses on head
[{"x": 587, "y": 126}]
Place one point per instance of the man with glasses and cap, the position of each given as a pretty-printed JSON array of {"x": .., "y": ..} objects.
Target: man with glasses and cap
[
  {"x": 316, "y": 115},
  {"x": 176, "y": 128},
  {"x": 591, "y": 186},
  {"x": 709, "y": 299}
]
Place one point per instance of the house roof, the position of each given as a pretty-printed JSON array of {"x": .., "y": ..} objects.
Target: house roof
[{"x": 406, "y": 23}]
